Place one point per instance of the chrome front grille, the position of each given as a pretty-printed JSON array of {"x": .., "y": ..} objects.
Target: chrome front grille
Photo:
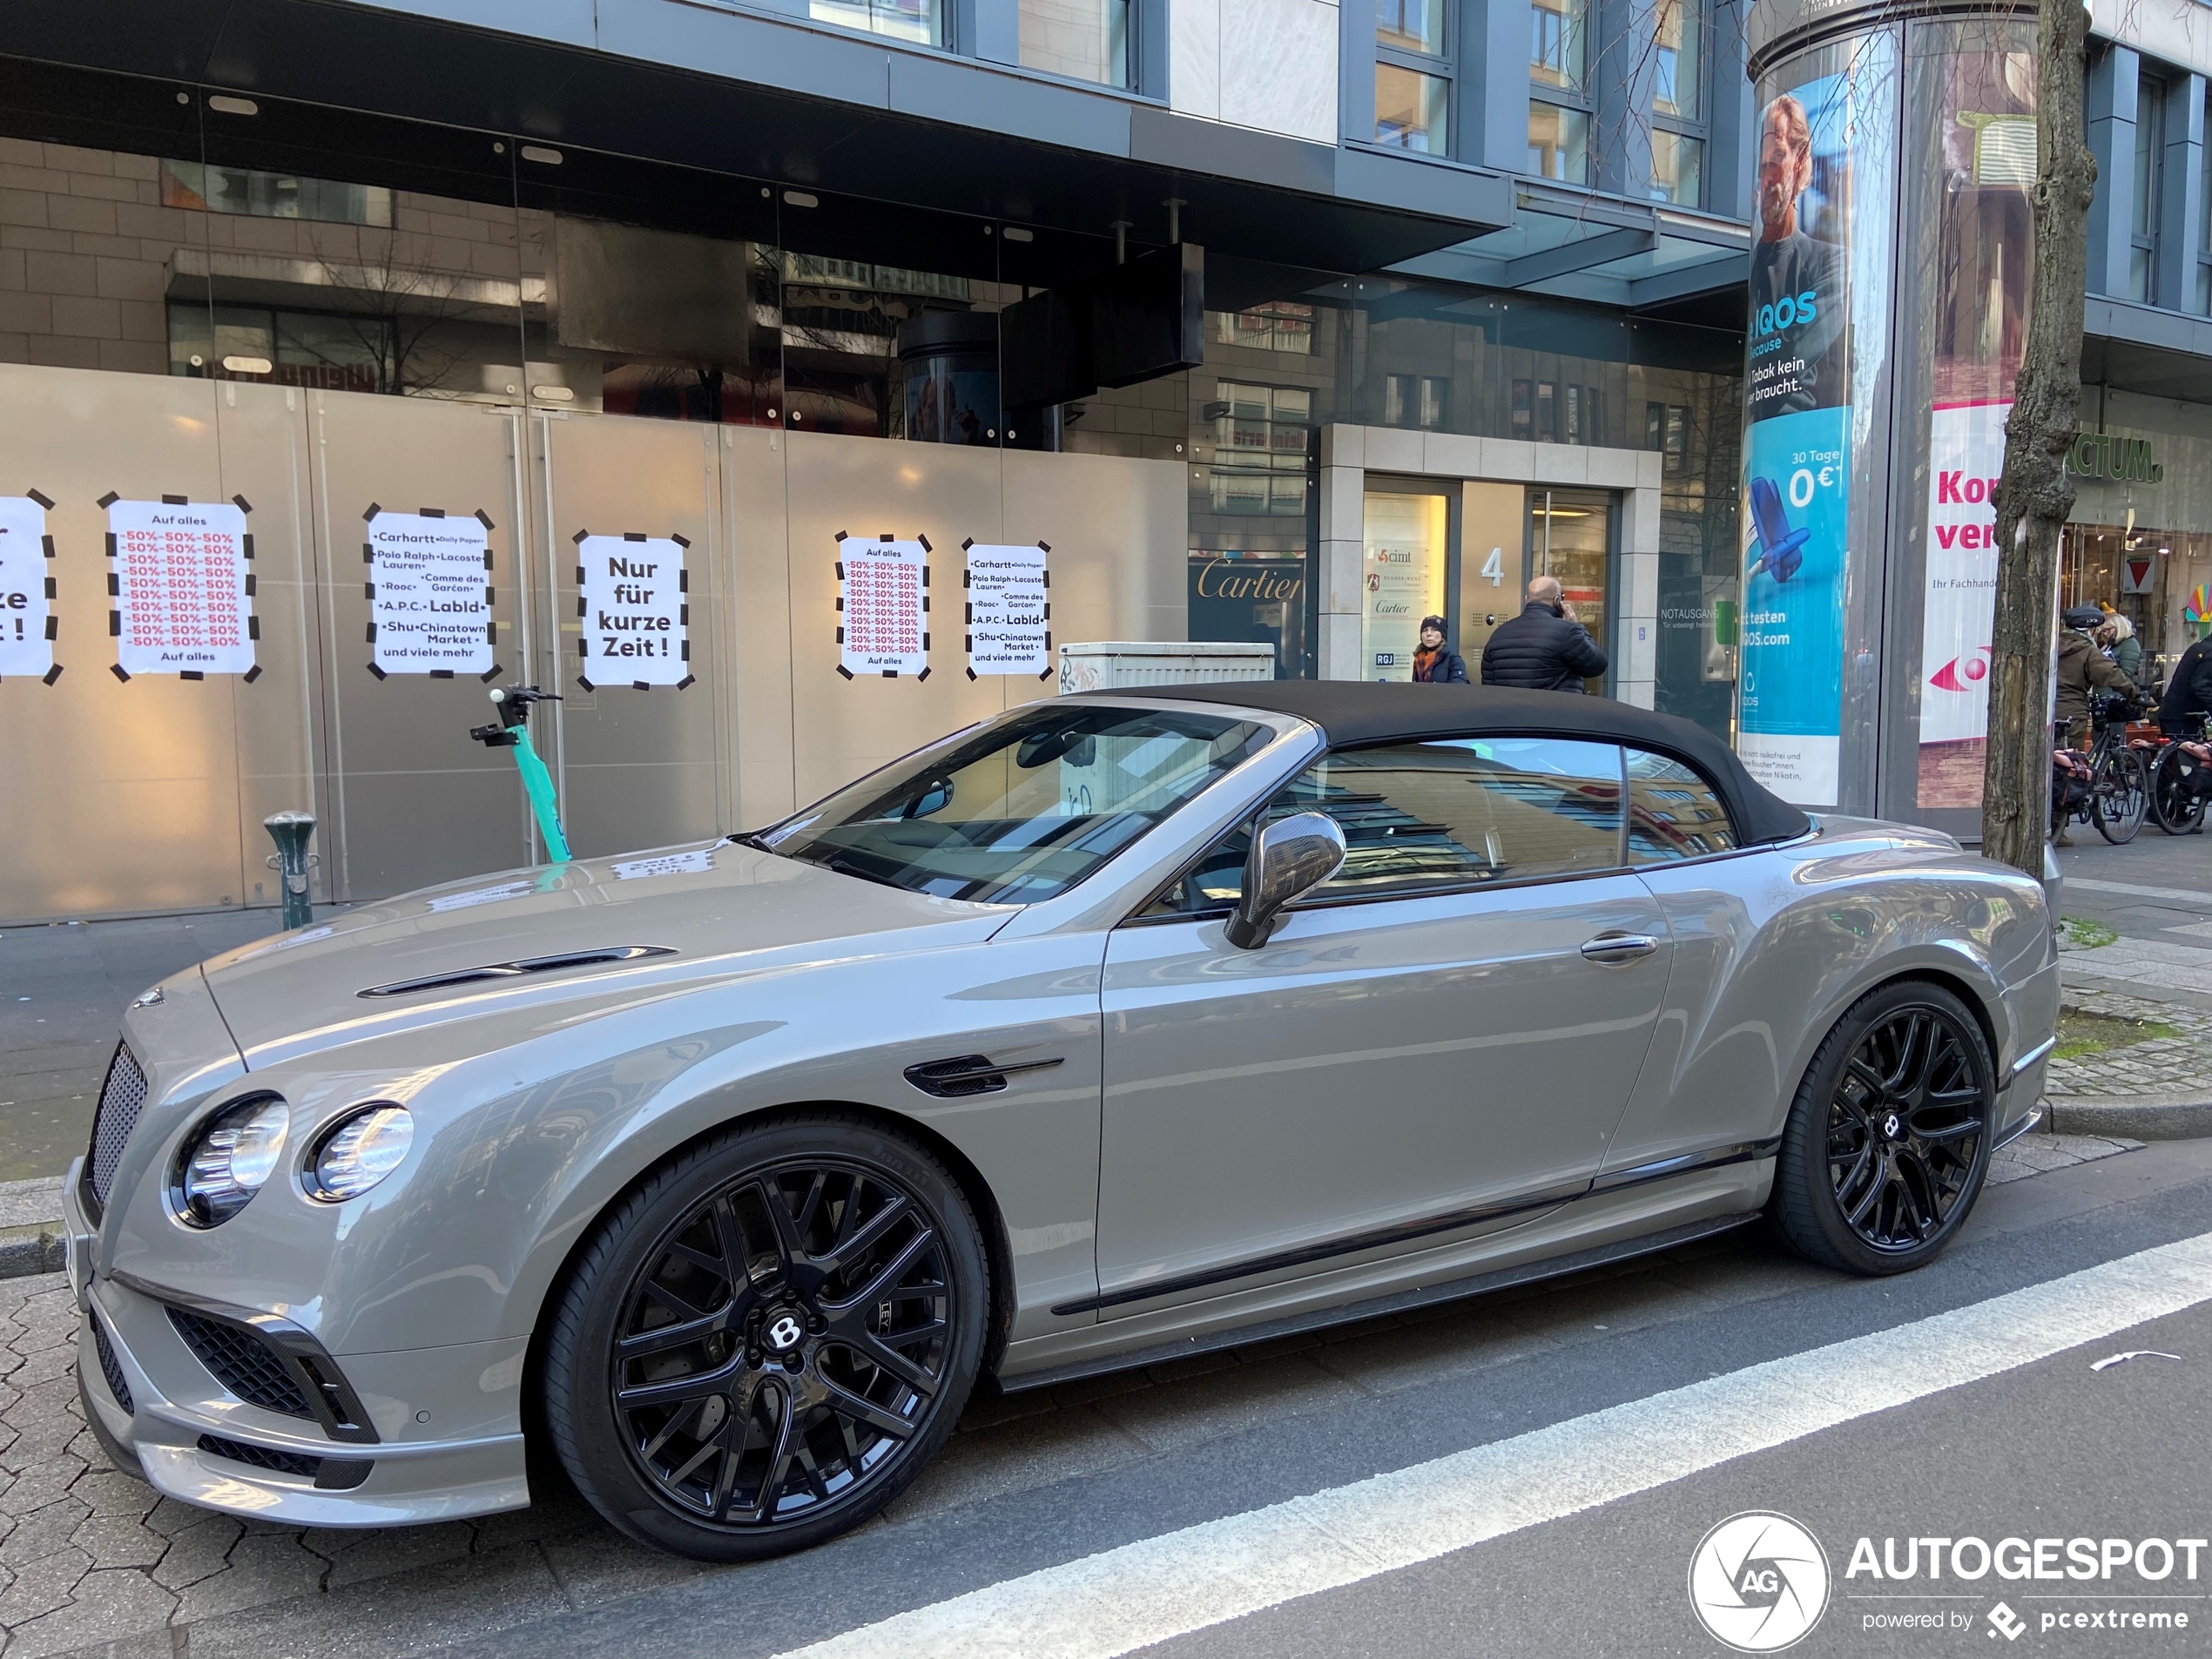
[{"x": 122, "y": 1097}]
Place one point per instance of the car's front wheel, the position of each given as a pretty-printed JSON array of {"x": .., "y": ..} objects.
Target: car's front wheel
[
  {"x": 1888, "y": 1142},
  {"x": 765, "y": 1341}
]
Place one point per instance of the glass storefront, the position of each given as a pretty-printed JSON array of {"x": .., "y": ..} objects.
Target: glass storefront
[
  {"x": 2161, "y": 580},
  {"x": 1571, "y": 536}
]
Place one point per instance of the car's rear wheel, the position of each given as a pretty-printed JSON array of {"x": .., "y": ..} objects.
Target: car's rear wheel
[
  {"x": 766, "y": 1340},
  {"x": 1888, "y": 1142}
]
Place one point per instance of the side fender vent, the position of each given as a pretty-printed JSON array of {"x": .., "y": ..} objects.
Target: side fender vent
[{"x": 969, "y": 1074}]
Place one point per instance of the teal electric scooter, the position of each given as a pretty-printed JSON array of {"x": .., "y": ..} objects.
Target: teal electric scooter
[{"x": 513, "y": 732}]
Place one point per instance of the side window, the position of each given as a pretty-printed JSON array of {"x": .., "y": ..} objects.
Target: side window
[
  {"x": 1673, "y": 813},
  {"x": 1447, "y": 813}
]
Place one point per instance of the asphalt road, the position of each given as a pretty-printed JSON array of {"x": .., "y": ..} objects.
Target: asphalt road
[{"x": 2044, "y": 1448}]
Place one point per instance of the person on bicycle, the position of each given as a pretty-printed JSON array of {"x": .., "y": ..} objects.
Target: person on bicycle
[{"x": 2082, "y": 668}]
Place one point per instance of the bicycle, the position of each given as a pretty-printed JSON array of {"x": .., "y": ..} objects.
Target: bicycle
[
  {"x": 2181, "y": 781},
  {"x": 2110, "y": 787}
]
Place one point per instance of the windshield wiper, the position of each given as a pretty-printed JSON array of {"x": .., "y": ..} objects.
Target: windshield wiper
[{"x": 752, "y": 839}]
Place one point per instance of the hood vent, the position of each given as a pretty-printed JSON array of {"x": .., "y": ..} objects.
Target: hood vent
[{"x": 515, "y": 969}]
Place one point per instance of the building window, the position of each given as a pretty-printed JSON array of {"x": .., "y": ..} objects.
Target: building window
[
  {"x": 1678, "y": 102},
  {"x": 1559, "y": 142},
  {"x": 1412, "y": 76},
  {"x": 1559, "y": 114},
  {"x": 1410, "y": 109},
  {"x": 1666, "y": 429},
  {"x": 1280, "y": 325},
  {"x": 2204, "y": 224},
  {"x": 1260, "y": 442},
  {"x": 1420, "y": 401},
  {"x": 1557, "y": 45},
  {"x": 915, "y": 20},
  {"x": 1677, "y": 168},
  {"x": 206, "y": 189},
  {"x": 2143, "y": 225},
  {"x": 1085, "y": 40}
]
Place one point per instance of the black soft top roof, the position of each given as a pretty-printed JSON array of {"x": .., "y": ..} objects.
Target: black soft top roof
[{"x": 1353, "y": 712}]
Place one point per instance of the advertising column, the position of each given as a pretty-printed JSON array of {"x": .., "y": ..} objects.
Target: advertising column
[
  {"x": 1813, "y": 385},
  {"x": 1972, "y": 104}
]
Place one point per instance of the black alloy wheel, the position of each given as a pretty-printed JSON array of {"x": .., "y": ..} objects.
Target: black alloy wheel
[
  {"x": 2176, "y": 806},
  {"x": 1888, "y": 1141},
  {"x": 767, "y": 1341},
  {"x": 2120, "y": 796}
]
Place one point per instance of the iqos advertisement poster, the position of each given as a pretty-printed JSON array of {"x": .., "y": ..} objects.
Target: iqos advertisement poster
[{"x": 1797, "y": 432}]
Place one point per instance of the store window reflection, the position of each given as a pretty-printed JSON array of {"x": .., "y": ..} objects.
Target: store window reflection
[
  {"x": 1085, "y": 40},
  {"x": 914, "y": 20}
]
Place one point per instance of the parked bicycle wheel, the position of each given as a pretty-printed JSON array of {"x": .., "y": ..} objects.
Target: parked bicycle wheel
[
  {"x": 2176, "y": 804},
  {"x": 2121, "y": 796}
]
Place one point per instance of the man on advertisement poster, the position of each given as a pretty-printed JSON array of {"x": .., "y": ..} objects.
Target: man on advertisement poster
[
  {"x": 1797, "y": 465},
  {"x": 1796, "y": 321}
]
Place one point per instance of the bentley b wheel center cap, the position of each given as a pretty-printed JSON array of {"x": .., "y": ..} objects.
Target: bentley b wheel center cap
[
  {"x": 783, "y": 1333},
  {"x": 1892, "y": 1126}
]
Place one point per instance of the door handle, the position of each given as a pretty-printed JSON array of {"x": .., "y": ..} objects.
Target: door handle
[{"x": 1620, "y": 947}]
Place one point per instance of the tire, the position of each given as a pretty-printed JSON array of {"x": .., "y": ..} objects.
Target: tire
[
  {"x": 2121, "y": 797},
  {"x": 1867, "y": 1181},
  {"x": 2175, "y": 806},
  {"x": 800, "y": 1304}
]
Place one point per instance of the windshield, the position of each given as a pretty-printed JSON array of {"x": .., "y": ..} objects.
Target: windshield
[{"x": 1023, "y": 809}]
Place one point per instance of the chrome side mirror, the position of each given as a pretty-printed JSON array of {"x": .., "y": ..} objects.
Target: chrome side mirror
[{"x": 1289, "y": 858}]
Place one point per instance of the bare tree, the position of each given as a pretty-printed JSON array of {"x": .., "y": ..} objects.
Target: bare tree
[{"x": 2036, "y": 492}]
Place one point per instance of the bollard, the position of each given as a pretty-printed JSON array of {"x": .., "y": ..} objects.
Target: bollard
[{"x": 292, "y": 832}]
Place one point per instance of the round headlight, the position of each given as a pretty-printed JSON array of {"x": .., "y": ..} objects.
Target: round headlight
[
  {"x": 360, "y": 1152},
  {"x": 227, "y": 1161}
]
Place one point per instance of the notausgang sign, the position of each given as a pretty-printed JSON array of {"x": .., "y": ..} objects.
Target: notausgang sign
[{"x": 2100, "y": 454}]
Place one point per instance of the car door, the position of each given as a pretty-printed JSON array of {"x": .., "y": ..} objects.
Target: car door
[{"x": 1441, "y": 1038}]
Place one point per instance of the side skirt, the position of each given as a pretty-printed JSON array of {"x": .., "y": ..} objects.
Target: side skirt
[{"x": 1374, "y": 1307}]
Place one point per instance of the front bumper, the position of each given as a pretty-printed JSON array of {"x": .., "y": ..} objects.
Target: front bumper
[{"x": 439, "y": 1443}]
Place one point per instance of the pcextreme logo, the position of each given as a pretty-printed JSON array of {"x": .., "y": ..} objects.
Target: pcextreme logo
[{"x": 1759, "y": 1581}]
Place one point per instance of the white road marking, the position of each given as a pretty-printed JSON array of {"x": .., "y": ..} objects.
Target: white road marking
[
  {"x": 2196, "y": 896},
  {"x": 1161, "y": 1587}
]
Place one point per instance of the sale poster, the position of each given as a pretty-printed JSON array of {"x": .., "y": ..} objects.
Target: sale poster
[
  {"x": 27, "y": 627},
  {"x": 1009, "y": 610},
  {"x": 429, "y": 593},
  {"x": 632, "y": 596},
  {"x": 183, "y": 596},
  {"x": 883, "y": 607}
]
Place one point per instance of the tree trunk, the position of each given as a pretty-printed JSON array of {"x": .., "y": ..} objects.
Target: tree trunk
[{"x": 2036, "y": 492}]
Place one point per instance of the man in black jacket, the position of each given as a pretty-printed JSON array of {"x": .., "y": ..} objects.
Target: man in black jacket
[
  {"x": 1545, "y": 648},
  {"x": 2188, "y": 692}
]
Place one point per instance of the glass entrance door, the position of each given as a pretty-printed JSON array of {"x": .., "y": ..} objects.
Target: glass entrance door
[{"x": 1571, "y": 536}]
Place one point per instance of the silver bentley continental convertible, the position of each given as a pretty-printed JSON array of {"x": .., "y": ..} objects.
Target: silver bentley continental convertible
[{"x": 1114, "y": 1028}]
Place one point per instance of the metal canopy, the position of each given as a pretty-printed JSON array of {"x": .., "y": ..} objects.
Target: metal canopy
[{"x": 1599, "y": 249}]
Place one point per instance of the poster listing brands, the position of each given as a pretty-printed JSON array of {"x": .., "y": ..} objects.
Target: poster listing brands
[
  {"x": 27, "y": 621},
  {"x": 429, "y": 593},
  {"x": 882, "y": 607},
  {"x": 1009, "y": 610},
  {"x": 183, "y": 594},
  {"x": 1401, "y": 580},
  {"x": 1797, "y": 432},
  {"x": 633, "y": 598},
  {"x": 1980, "y": 103}
]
